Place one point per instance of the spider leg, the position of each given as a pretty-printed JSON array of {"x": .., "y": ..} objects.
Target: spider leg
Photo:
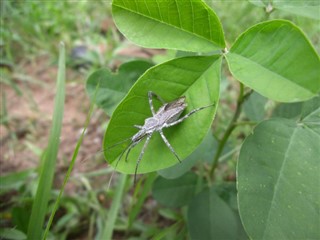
[
  {"x": 169, "y": 145},
  {"x": 187, "y": 115},
  {"x": 150, "y": 95},
  {"x": 115, "y": 167},
  {"x": 140, "y": 156},
  {"x": 129, "y": 149}
]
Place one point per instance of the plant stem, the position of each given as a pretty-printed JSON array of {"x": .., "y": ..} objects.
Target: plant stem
[{"x": 231, "y": 127}]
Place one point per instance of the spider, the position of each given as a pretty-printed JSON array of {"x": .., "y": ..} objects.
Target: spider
[{"x": 167, "y": 116}]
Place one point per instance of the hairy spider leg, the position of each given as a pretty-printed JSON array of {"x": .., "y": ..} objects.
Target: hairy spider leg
[
  {"x": 186, "y": 116},
  {"x": 150, "y": 95},
  {"x": 169, "y": 145},
  {"x": 140, "y": 156}
]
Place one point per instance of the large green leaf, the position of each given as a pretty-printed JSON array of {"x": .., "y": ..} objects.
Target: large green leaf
[
  {"x": 196, "y": 78},
  {"x": 210, "y": 217},
  {"x": 276, "y": 60},
  {"x": 114, "y": 86},
  {"x": 278, "y": 181},
  {"x": 188, "y": 25}
]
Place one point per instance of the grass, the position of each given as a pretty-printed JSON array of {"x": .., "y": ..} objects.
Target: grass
[{"x": 48, "y": 165}]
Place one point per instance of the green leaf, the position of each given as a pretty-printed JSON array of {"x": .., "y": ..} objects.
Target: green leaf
[
  {"x": 227, "y": 191},
  {"x": 196, "y": 78},
  {"x": 12, "y": 234},
  {"x": 13, "y": 181},
  {"x": 278, "y": 181},
  {"x": 184, "y": 25},
  {"x": 209, "y": 217},
  {"x": 20, "y": 218},
  {"x": 114, "y": 86},
  {"x": 203, "y": 152},
  {"x": 311, "y": 111},
  {"x": 303, "y": 8},
  {"x": 177, "y": 192},
  {"x": 288, "y": 110},
  {"x": 254, "y": 107},
  {"x": 276, "y": 59}
]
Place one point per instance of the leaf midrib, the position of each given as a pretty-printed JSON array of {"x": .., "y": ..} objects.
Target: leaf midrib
[
  {"x": 280, "y": 175},
  {"x": 276, "y": 73}
]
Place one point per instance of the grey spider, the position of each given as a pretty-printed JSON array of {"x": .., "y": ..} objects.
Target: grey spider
[{"x": 167, "y": 116}]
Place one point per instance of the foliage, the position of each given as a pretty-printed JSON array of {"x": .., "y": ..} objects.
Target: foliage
[
  {"x": 225, "y": 188},
  {"x": 265, "y": 58}
]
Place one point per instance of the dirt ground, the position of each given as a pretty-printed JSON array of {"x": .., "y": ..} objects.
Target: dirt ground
[{"x": 30, "y": 115}]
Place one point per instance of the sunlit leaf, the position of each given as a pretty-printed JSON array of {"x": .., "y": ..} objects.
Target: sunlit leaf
[
  {"x": 276, "y": 59},
  {"x": 183, "y": 25},
  {"x": 196, "y": 78}
]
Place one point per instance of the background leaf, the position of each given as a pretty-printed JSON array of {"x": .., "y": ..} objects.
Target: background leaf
[
  {"x": 177, "y": 192},
  {"x": 183, "y": 25},
  {"x": 209, "y": 217},
  {"x": 12, "y": 234},
  {"x": 278, "y": 181},
  {"x": 114, "y": 86},
  {"x": 203, "y": 152},
  {"x": 303, "y": 8},
  {"x": 254, "y": 107},
  {"x": 288, "y": 110},
  {"x": 311, "y": 111},
  {"x": 197, "y": 78},
  {"x": 275, "y": 59}
]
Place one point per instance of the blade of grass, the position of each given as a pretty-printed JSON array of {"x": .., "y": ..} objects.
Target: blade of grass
[
  {"x": 112, "y": 215},
  {"x": 73, "y": 160},
  {"x": 39, "y": 207}
]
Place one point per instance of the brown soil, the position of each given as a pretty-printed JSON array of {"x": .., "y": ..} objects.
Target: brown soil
[{"x": 30, "y": 116}]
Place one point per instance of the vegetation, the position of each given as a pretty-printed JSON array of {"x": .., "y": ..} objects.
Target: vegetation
[{"x": 250, "y": 163}]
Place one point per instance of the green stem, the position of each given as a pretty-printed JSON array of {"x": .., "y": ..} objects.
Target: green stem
[{"x": 231, "y": 127}]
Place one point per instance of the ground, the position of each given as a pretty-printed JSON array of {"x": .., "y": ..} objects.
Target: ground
[{"x": 30, "y": 119}]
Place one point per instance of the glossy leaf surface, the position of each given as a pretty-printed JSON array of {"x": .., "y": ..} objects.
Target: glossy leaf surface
[
  {"x": 182, "y": 25},
  {"x": 196, "y": 78}
]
